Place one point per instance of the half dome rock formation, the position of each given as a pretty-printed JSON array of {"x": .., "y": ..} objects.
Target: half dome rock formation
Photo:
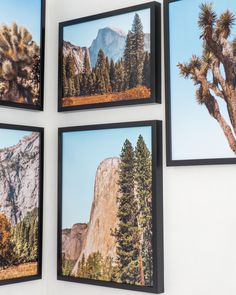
[
  {"x": 19, "y": 178},
  {"x": 103, "y": 215},
  {"x": 72, "y": 240},
  {"x": 111, "y": 41}
]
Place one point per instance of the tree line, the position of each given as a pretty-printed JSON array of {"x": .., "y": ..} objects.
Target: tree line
[
  {"x": 19, "y": 244},
  {"x": 108, "y": 76}
]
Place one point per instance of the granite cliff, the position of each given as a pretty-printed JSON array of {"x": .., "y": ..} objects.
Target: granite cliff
[
  {"x": 19, "y": 178},
  {"x": 72, "y": 240},
  {"x": 96, "y": 236}
]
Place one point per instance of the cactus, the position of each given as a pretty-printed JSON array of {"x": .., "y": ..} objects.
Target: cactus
[{"x": 19, "y": 58}]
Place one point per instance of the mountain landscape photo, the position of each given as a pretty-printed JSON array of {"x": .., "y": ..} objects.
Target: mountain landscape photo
[
  {"x": 112, "y": 241},
  {"x": 110, "y": 63},
  {"x": 19, "y": 202},
  {"x": 20, "y": 52}
]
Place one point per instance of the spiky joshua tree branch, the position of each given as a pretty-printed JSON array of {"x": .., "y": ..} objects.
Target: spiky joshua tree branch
[
  {"x": 19, "y": 59},
  {"x": 214, "y": 73}
]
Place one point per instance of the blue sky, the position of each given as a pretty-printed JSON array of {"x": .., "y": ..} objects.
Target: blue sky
[
  {"x": 25, "y": 12},
  {"x": 83, "y": 151},
  {"x": 83, "y": 34},
  {"x": 9, "y": 137},
  {"x": 195, "y": 134}
]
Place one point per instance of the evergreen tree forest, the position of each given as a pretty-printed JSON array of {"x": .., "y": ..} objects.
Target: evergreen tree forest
[
  {"x": 131, "y": 72},
  {"x": 19, "y": 243},
  {"x": 133, "y": 263}
]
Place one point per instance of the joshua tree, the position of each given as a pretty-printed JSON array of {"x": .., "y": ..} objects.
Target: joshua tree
[
  {"x": 214, "y": 73},
  {"x": 19, "y": 56}
]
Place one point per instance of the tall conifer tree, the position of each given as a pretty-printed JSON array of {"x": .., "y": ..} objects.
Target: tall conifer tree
[
  {"x": 112, "y": 74},
  {"x": 138, "y": 42},
  {"x": 143, "y": 179},
  {"x": 127, "y": 234},
  {"x": 102, "y": 73},
  {"x": 146, "y": 70},
  {"x": 84, "y": 87}
]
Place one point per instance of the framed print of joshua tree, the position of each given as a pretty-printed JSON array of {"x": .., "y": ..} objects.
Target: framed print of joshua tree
[
  {"x": 110, "y": 206},
  {"x": 22, "y": 31},
  {"x": 110, "y": 59},
  {"x": 201, "y": 82},
  {"x": 21, "y": 189}
]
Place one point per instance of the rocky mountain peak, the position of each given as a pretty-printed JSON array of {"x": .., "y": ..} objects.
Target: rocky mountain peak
[
  {"x": 78, "y": 53},
  {"x": 111, "y": 40},
  {"x": 72, "y": 240}
]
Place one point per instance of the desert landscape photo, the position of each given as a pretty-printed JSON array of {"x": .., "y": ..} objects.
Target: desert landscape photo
[
  {"x": 107, "y": 60},
  {"x": 203, "y": 88},
  {"x": 20, "y": 28},
  {"x": 19, "y": 202},
  {"x": 107, "y": 206}
]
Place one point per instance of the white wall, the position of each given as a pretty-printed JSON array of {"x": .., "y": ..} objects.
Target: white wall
[{"x": 199, "y": 202}]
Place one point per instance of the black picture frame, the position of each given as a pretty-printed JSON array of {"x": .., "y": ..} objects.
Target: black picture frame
[
  {"x": 40, "y": 106},
  {"x": 157, "y": 206},
  {"x": 155, "y": 60},
  {"x": 169, "y": 159},
  {"x": 39, "y": 130}
]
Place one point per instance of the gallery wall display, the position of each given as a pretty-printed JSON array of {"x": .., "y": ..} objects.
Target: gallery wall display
[
  {"x": 21, "y": 189},
  {"x": 200, "y": 80},
  {"x": 22, "y": 31},
  {"x": 110, "y": 59},
  {"x": 110, "y": 215}
]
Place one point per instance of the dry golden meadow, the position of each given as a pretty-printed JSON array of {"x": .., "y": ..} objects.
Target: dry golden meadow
[
  {"x": 140, "y": 92},
  {"x": 22, "y": 270}
]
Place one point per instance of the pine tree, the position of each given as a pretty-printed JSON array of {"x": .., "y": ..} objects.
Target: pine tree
[
  {"x": 102, "y": 74},
  {"x": 143, "y": 179},
  {"x": 138, "y": 39},
  {"x": 70, "y": 73},
  {"x": 127, "y": 234},
  {"x": 112, "y": 75},
  {"x": 77, "y": 85},
  {"x": 119, "y": 76},
  {"x": 65, "y": 88},
  {"x": 128, "y": 60},
  {"x": 85, "y": 87},
  {"x": 146, "y": 70},
  {"x": 134, "y": 54}
]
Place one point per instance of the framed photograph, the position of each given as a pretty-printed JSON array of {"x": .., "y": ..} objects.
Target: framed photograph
[
  {"x": 110, "y": 59},
  {"x": 21, "y": 201},
  {"x": 200, "y": 82},
  {"x": 110, "y": 214},
  {"x": 22, "y": 32}
]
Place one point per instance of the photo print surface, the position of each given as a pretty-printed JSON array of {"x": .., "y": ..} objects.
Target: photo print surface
[
  {"x": 106, "y": 60},
  {"x": 20, "y": 203},
  {"x": 107, "y": 226},
  {"x": 202, "y": 89},
  {"x": 21, "y": 53}
]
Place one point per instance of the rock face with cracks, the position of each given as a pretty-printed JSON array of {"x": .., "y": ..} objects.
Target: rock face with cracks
[
  {"x": 96, "y": 236},
  {"x": 19, "y": 178}
]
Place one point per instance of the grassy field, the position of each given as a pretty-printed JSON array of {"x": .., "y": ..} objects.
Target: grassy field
[
  {"x": 139, "y": 92},
  {"x": 22, "y": 270}
]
